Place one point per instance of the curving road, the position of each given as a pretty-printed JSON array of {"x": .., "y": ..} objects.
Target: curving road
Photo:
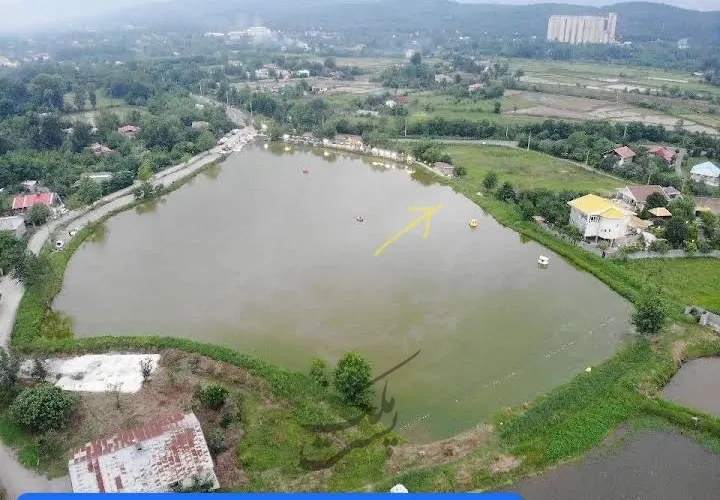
[{"x": 14, "y": 478}]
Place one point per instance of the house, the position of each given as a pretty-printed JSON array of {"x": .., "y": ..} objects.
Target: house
[
  {"x": 598, "y": 217},
  {"x": 637, "y": 195},
  {"x": 475, "y": 86},
  {"x": 100, "y": 149},
  {"x": 401, "y": 100},
  {"x": 440, "y": 78},
  {"x": 262, "y": 74},
  {"x": 155, "y": 458},
  {"x": 30, "y": 186},
  {"x": 707, "y": 173},
  {"x": 366, "y": 112},
  {"x": 14, "y": 224},
  {"x": 711, "y": 205},
  {"x": 199, "y": 125},
  {"x": 302, "y": 73},
  {"x": 444, "y": 168},
  {"x": 390, "y": 103},
  {"x": 672, "y": 192},
  {"x": 623, "y": 154},
  {"x": 665, "y": 153},
  {"x": 23, "y": 203},
  {"x": 129, "y": 131},
  {"x": 98, "y": 177},
  {"x": 354, "y": 140}
]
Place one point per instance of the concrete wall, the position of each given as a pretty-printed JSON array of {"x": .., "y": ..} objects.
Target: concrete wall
[{"x": 582, "y": 29}]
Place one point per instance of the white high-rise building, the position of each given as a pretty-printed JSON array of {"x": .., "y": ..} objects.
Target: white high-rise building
[{"x": 582, "y": 29}]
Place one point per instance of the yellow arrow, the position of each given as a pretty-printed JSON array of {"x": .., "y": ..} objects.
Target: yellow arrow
[{"x": 429, "y": 212}]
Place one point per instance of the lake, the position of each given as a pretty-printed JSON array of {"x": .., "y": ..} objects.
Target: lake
[{"x": 258, "y": 256}]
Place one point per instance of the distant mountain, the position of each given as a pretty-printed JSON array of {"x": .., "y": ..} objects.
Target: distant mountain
[{"x": 637, "y": 21}]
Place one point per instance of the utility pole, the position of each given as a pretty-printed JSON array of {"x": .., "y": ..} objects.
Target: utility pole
[
  {"x": 227, "y": 97},
  {"x": 587, "y": 157},
  {"x": 251, "y": 107},
  {"x": 406, "y": 127},
  {"x": 201, "y": 89},
  {"x": 529, "y": 137},
  {"x": 625, "y": 132},
  {"x": 507, "y": 129}
]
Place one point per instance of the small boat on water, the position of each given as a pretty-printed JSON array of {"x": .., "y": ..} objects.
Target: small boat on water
[
  {"x": 306, "y": 170},
  {"x": 287, "y": 148},
  {"x": 473, "y": 223},
  {"x": 359, "y": 218},
  {"x": 543, "y": 261}
]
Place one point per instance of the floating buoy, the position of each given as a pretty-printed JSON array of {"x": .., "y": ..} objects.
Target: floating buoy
[
  {"x": 473, "y": 223},
  {"x": 588, "y": 369},
  {"x": 359, "y": 218},
  {"x": 306, "y": 170}
]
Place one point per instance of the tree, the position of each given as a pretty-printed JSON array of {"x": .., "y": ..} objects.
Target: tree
[
  {"x": 497, "y": 107},
  {"x": 650, "y": 312},
  {"x": 43, "y": 407},
  {"x": 205, "y": 140},
  {"x": 92, "y": 97},
  {"x": 9, "y": 375},
  {"x": 12, "y": 252},
  {"x": 459, "y": 171},
  {"x": 352, "y": 379},
  {"x": 39, "y": 214},
  {"x": 88, "y": 191},
  {"x": 490, "y": 180},
  {"x": 676, "y": 231},
  {"x": 655, "y": 200},
  {"x": 416, "y": 59},
  {"x": 145, "y": 172},
  {"x": 146, "y": 368},
  {"x": 80, "y": 98}
]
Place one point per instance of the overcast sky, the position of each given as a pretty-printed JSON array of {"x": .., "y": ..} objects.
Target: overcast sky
[{"x": 20, "y": 14}]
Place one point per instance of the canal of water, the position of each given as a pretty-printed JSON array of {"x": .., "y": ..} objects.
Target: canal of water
[{"x": 259, "y": 256}]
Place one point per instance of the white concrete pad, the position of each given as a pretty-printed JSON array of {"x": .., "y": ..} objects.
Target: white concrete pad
[{"x": 96, "y": 372}]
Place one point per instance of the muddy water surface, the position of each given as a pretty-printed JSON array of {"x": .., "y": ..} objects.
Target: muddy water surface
[{"x": 263, "y": 258}]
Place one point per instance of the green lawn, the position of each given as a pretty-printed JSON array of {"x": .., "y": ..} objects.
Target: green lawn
[
  {"x": 425, "y": 105},
  {"x": 688, "y": 281},
  {"x": 526, "y": 169}
]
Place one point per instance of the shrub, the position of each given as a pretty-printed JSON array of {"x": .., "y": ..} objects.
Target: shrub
[
  {"x": 690, "y": 247},
  {"x": 490, "y": 180},
  {"x": 146, "y": 367},
  {"x": 460, "y": 171},
  {"x": 213, "y": 396},
  {"x": 39, "y": 371},
  {"x": 705, "y": 247},
  {"x": 352, "y": 379},
  {"x": 634, "y": 248},
  {"x": 660, "y": 246},
  {"x": 42, "y": 408},
  {"x": 318, "y": 372},
  {"x": 216, "y": 443}
]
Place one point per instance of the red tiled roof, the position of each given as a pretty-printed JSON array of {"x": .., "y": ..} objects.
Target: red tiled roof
[
  {"x": 402, "y": 99},
  {"x": 662, "y": 152},
  {"x": 624, "y": 152},
  {"x": 146, "y": 459},
  {"x": 26, "y": 201},
  {"x": 640, "y": 193}
]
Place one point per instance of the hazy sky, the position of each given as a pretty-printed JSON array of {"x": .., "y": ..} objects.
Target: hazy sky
[{"x": 31, "y": 13}]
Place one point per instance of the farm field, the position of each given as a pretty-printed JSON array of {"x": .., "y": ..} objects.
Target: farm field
[
  {"x": 527, "y": 169},
  {"x": 690, "y": 281},
  {"x": 608, "y": 77}
]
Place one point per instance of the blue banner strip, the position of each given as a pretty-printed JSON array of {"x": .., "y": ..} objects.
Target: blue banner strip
[{"x": 270, "y": 496}]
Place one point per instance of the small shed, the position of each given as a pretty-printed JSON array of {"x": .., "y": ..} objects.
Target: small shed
[
  {"x": 444, "y": 168},
  {"x": 15, "y": 224},
  {"x": 660, "y": 212}
]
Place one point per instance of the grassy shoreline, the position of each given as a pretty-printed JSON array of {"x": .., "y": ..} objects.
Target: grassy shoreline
[{"x": 558, "y": 426}]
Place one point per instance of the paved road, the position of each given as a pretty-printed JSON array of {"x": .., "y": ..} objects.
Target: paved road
[{"x": 14, "y": 478}]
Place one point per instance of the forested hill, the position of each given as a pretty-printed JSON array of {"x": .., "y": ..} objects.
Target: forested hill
[{"x": 637, "y": 21}]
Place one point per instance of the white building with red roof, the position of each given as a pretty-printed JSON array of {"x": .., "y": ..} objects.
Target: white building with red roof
[
  {"x": 665, "y": 153},
  {"x": 24, "y": 202},
  {"x": 154, "y": 458},
  {"x": 624, "y": 154}
]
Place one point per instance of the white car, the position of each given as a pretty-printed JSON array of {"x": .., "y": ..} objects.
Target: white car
[{"x": 74, "y": 231}]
